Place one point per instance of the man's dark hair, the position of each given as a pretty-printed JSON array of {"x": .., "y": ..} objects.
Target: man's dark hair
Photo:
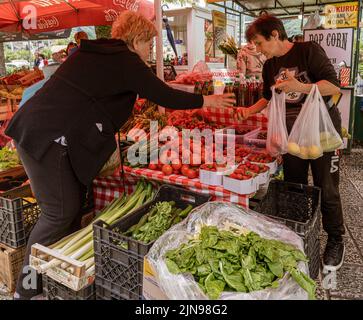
[{"x": 264, "y": 25}]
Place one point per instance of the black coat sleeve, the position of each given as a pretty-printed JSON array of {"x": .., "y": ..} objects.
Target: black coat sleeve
[
  {"x": 319, "y": 64},
  {"x": 144, "y": 82}
]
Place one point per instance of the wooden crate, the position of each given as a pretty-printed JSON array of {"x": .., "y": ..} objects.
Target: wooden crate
[
  {"x": 11, "y": 261},
  {"x": 12, "y": 173},
  {"x": 76, "y": 279}
]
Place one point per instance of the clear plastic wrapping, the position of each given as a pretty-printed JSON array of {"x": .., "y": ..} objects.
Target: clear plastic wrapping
[{"x": 221, "y": 214}]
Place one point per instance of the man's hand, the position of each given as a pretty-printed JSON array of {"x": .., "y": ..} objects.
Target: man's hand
[{"x": 291, "y": 84}]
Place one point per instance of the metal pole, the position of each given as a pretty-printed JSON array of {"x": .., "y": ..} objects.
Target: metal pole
[
  {"x": 240, "y": 30},
  {"x": 159, "y": 40},
  {"x": 356, "y": 56},
  {"x": 225, "y": 12}
]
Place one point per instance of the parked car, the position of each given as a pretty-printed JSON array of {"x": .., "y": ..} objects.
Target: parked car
[{"x": 20, "y": 63}]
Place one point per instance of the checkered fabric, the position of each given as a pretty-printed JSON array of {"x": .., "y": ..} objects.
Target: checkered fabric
[
  {"x": 105, "y": 189},
  {"x": 225, "y": 117}
]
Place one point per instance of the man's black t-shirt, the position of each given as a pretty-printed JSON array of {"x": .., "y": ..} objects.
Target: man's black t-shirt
[{"x": 309, "y": 64}]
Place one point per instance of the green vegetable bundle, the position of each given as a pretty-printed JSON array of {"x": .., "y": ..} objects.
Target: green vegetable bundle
[
  {"x": 79, "y": 245},
  {"x": 221, "y": 260},
  {"x": 160, "y": 218},
  {"x": 8, "y": 158}
]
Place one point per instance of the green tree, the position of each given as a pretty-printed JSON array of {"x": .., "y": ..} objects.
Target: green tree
[
  {"x": 47, "y": 53},
  {"x": 103, "y": 32}
]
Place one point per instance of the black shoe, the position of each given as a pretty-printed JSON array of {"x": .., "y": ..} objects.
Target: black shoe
[{"x": 334, "y": 254}]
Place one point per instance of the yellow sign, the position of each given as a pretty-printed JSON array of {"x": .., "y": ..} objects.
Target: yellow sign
[{"x": 341, "y": 15}]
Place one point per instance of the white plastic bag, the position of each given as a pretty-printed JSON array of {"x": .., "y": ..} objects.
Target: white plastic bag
[
  {"x": 222, "y": 214},
  {"x": 314, "y": 21},
  {"x": 277, "y": 136},
  {"x": 313, "y": 131},
  {"x": 201, "y": 67}
]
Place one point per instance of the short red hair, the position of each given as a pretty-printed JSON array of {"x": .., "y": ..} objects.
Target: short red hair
[{"x": 131, "y": 25}]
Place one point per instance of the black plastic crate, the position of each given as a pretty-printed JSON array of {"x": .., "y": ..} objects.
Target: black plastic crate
[
  {"x": 119, "y": 259},
  {"x": 53, "y": 290},
  {"x": 296, "y": 206},
  {"x": 17, "y": 216},
  {"x": 106, "y": 293}
]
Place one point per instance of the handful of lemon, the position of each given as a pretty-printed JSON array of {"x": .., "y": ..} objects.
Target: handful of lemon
[{"x": 303, "y": 152}]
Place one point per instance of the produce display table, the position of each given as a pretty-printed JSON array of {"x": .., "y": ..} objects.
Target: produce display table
[{"x": 105, "y": 189}]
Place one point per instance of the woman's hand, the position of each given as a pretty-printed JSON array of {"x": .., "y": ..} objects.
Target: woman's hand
[
  {"x": 242, "y": 113},
  {"x": 219, "y": 100}
]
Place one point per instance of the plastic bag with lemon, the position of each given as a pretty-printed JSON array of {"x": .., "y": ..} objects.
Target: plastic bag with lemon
[{"x": 313, "y": 132}]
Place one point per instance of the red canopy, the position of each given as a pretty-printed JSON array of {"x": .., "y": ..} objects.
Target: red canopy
[{"x": 37, "y": 16}]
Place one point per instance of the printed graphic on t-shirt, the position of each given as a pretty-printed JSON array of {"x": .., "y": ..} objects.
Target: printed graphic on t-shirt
[{"x": 293, "y": 97}]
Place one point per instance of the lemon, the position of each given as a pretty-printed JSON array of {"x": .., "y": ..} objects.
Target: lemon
[
  {"x": 324, "y": 135},
  {"x": 304, "y": 152},
  {"x": 293, "y": 148},
  {"x": 315, "y": 152}
]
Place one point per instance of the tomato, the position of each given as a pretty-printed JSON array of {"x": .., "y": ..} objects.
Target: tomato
[
  {"x": 184, "y": 169},
  {"x": 177, "y": 166},
  {"x": 192, "y": 174},
  {"x": 153, "y": 166},
  {"x": 167, "y": 169}
]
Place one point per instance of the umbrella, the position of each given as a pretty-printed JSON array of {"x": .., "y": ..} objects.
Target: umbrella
[
  {"x": 169, "y": 33},
  {"x": 36, "y": 16}
]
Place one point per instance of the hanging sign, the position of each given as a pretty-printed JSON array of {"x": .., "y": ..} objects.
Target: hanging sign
[
  {"x": 341, "y": 15},
  {"x": 338, "y": 43}
]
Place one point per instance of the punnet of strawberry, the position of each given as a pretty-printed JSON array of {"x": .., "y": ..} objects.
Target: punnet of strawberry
[
  {"x": 260, "y": 157},
  {"x": 243, "y": 173},
  {"x": 242, "y": 150},
  {"x": 213, "y": 167},
  {"x": 256, "y": 167}
]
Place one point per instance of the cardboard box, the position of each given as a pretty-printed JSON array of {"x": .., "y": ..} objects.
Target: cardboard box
[
  {"x": 150, "y": 286},
  {"x": 240, "y": 186}
]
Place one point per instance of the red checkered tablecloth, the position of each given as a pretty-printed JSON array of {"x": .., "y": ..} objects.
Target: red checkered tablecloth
[
  {"x": 107, "y": 188},
  {"x": 225, "y": 116}
]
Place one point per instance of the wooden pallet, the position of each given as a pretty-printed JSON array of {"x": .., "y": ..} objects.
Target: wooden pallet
[
  {"x": 76, "y": 279},
  {"x": 11, "y": 261}
]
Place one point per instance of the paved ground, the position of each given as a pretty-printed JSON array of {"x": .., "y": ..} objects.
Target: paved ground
[
  {"x": 349, "y": 279},
  {"x": 348, "y": 282}
]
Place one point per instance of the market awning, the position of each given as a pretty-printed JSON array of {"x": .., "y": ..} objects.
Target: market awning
[
  {"x": 35, "y": 16},
  {"x": 23, "y": 36}
]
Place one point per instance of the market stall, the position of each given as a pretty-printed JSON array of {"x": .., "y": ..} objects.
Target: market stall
[{"x": 153, "y": 222}]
